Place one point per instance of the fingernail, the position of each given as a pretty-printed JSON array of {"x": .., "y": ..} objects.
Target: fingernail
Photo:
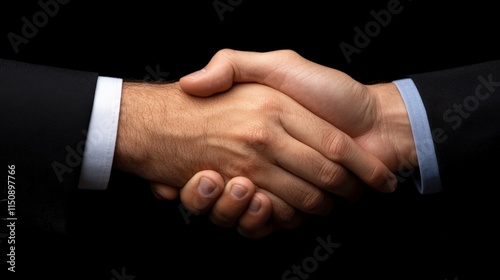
[
  {"x": 254, "y": 205},
  {"x": 206, "y": 187},
  {"x": 195, "y": 75},
  {"x": 239, "y": 191}
]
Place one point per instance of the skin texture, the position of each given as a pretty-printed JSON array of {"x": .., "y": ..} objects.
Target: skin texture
[
  {"x": 250, "y": 132},
  {"x": 374, "y": 116}
]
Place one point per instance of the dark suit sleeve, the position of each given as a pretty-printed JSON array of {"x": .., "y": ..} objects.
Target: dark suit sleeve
[
  {"x": 463, "y": 107},
  {"x": 45, "y": 112}
]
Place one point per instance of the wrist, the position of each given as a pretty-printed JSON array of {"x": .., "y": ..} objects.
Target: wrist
[
  {"x": 143, "y": 115},
  {"x": 153, "y": 131},
  {"x": 127, "y": 153},
  {"x": 394, "y": 121}
]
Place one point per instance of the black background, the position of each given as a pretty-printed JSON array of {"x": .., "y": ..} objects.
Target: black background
[{"x": 126, "y": 231}]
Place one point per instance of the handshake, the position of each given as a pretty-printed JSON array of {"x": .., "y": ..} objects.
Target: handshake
[{"x": 260, "y": 141}]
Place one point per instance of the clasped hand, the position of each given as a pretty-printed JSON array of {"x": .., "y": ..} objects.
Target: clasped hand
[{"x": 278, "y": 138}]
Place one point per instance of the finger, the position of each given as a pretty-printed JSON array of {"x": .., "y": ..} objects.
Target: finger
[
  {"x": 339, "y": 148},
  {"x": 287, "y": 72},
  {"x": 286, "y": 192},
  {"x": 318, "y": 169},
  {"x": 163, "y": 191},
  {"x": 291, "y": 194},
  {"x": 283, "y": 214},
  {"x": 275, "y": 69},
  {"x": 216, "y": 76},
  {"x": 202, "y": 191},
  {"x": 233, "y": 201},
  {"x": 228, "y": 66},
  {"x": 255, "y": 222}
]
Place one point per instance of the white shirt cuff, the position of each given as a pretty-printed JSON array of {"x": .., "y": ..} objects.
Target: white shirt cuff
[{"x": 101, "y": 136}]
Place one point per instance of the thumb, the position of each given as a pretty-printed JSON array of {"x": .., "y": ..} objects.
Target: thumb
[
  {"x": 217, "y": 76},
  {"x": 229, "y": 66},
  {"x": 325, "y": 91}
]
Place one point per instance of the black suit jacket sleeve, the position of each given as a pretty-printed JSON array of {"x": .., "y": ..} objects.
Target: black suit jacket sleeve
[
  {"x": 463, "y": 107},
  {"x": 45, "y": 112}
]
